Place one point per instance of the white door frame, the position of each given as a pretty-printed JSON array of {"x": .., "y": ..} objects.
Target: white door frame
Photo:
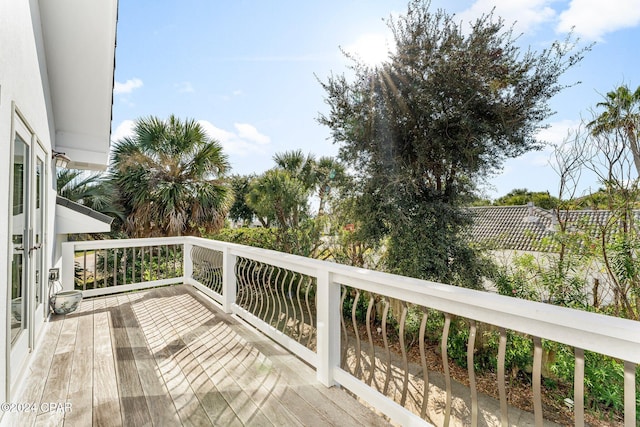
[
  {"x": 38, "y": 272},
  {"x": 30, "y": 242}
]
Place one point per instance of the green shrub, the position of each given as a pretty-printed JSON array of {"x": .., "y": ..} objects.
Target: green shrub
[
  {"x": 603, "y": 378},
  {"x": 303, "y": 240},
  {"x": 361, "y": 306},
  {"x": 258, "y": 237}
]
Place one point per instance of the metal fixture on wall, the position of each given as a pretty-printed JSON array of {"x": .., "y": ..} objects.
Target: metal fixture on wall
[{"x": 60, "y": 159}]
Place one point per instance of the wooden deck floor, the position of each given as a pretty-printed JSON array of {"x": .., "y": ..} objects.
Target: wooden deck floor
[{"x": 169, "y": 357}]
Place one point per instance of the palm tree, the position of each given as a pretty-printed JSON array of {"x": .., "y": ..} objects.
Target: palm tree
[
  {"x": 622, "y": 112},
  {"x": 277, "y": 196},
  {"x": 297, "y": 165},
  {"x": 169, "y": 179},
  {"x": 91, "y": 190},
  {"x": 329, "y": 173},
  {"x": 240, "y": 210},
  {"x": 317, "y": 176}
]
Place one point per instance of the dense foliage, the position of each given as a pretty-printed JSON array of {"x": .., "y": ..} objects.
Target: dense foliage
[
  {"x": 420, "y": 130},
  {"x": 522, "y": 196},
  {"x": 304, "y": 240},
  {"x": 281, "y": 196},
  {"x": 240, "y": 212},
  {"x": 90, "y": 190},
  {"x": 168, "y": 179},
  {"x": 278, "y": 199}
]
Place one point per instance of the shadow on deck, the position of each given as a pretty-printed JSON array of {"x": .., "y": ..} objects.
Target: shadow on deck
[{"x": 168, "y": 356}]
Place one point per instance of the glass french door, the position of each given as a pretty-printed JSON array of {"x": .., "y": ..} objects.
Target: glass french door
[
  {"x": 20, "y": 202},
  {"x": 28, "y": 180}
]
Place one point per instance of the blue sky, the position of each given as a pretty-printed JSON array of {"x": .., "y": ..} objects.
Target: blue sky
[{"x": 247, "y": 69}]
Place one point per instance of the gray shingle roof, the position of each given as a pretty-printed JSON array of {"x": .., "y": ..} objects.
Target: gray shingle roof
[
  {"x": 523, "y": 227},
  {"x": 83, "y": 210}
]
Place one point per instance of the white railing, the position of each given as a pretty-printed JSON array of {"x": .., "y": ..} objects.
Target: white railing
[{"x": 299, "y": 303}]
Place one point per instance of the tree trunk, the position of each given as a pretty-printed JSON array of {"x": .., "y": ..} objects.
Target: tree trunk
[{"x": 635, "y": 150}]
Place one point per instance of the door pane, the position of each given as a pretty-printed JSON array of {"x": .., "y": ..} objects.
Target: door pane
[{"x": 19, "y": 176}]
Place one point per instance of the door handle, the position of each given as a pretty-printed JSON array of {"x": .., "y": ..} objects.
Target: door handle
[{"x": 38, "y": 246}]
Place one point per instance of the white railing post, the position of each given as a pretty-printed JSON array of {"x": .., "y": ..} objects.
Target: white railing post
[
  {"x": 328, "y": 328},
  {"x": 228, "y": 280},
  {"x": 187, "y": 262},
  {"x": 68, "y": 266}
]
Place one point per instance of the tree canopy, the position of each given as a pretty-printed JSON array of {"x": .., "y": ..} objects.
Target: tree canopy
[
  {"x": 420, "y": 130},
  {"x": 281, "y": 196},
  {"x": 278, "y": 198},
  {"x": 522, "y": 196},
  {"x": 90, "y": 190},
  {"x": 168, "y": 179},
  {"x": 240, "y": 211},
  {"x": 621, "y": 114}
]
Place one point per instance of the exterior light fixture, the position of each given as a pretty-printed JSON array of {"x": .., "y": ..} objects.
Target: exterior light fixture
[{"x": 60, "y": 159}]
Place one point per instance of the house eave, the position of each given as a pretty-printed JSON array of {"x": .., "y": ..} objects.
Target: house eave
[{"x": 79, "y": 41}]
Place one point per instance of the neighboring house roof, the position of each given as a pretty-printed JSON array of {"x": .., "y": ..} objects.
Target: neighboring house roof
[
  {"x": 510, "y": 227},
  {"x": 523, "y": 227},
  {"x": 74, "y": 218}
]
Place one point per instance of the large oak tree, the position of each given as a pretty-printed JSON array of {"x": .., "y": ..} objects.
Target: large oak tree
[{"x": 421, "y": 130}]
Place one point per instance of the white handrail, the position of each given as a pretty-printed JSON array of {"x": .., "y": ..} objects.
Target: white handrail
[
  {"x": 607, "y": 335},
  {"x": 611, "y": 336}
]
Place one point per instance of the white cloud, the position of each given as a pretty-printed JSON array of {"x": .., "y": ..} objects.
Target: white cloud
[
  {"x": 557, "y": 132},
  {"x": 244, "y": 141},
  {"x": 127, "y": 87},
  {"x": 123, "y": 130},
  {"x": 247, "y": 131},
  {"x": 526, "y": 14},
  {"x": 236, "y": 93},
  {"x": 371, "y": 48},
  {"x": 592, "y": 19},
  {"x": 184, "y": 87},
  {"x": 555, "y": 135}
]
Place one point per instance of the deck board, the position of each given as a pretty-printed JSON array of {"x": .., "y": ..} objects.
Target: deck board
[
  {"x": 161, "y": 407},
  {"x": 207, "y": 371},
  {"x": 37, "y": 371},
  {"x": 106, "y": 399},
  {"x": 132, "y": 399},
  {"x": 57, "y": 384},
  {"x": 170, "y": 353},
  {"x": 168, "y": 356},
  {"x": 81, "y": 388}
]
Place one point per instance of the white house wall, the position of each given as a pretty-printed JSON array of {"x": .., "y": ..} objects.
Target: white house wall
[
  {"x": 589, "y": 273},
  {"x": 56, "y": 76},
  {"x": 23, "y": 89}
]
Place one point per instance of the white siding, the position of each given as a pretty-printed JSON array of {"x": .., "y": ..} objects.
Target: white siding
[{"x": 23, "y": 85}]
